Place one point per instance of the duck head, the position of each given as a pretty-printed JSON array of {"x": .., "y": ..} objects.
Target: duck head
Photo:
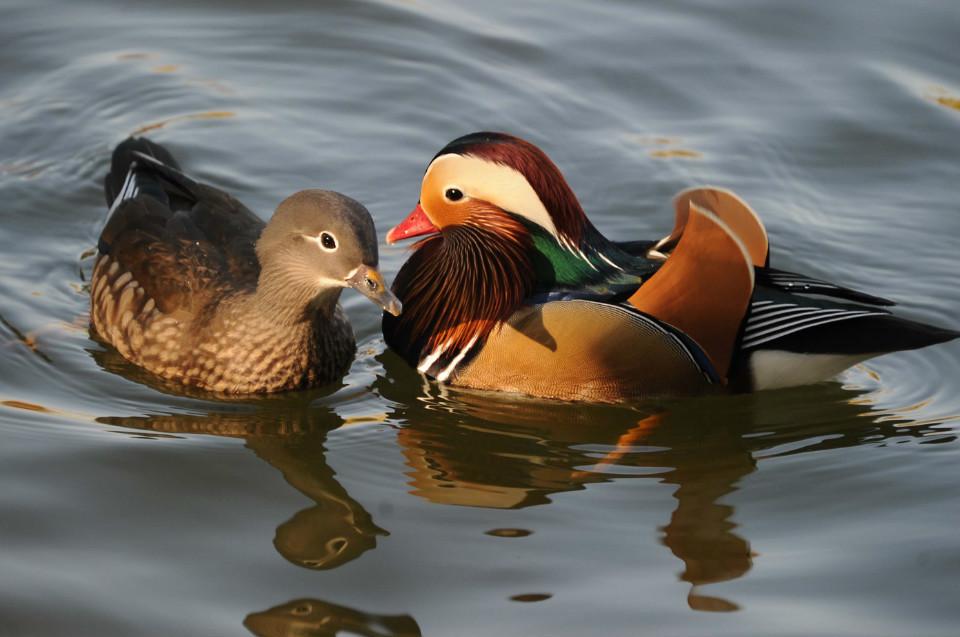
[
  {"x": 317, "y": 243},
  {"x": 478, "y": 178}
]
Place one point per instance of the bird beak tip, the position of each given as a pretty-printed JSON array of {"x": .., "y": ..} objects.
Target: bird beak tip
[{"x": 394, "y": 307}]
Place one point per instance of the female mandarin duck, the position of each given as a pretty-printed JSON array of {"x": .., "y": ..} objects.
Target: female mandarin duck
[
  {"x": 516, "y": 290},
  {"x": 192, "y": 286}
]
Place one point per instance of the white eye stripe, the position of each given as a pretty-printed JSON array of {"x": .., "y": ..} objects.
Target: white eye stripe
[{"x": 496, "y": 183}]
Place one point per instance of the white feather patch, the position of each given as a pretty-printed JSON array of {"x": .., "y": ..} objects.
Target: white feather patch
[
  {"x": 775, "y": 369},
  {"x": 428, "y": 362},
  {"x": 127, "y": 191}
]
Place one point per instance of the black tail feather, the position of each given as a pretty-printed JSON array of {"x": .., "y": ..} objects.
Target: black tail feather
[
  {"x": 803, "y": 284},
  {"x": 875, "y": 334},
  {"x": 123, "y": 157}
]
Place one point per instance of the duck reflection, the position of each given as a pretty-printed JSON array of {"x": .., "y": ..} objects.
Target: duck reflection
[
  {"x": 486, "y": 450},
  {"x": 288, "y": 432},
  {"x": 316, "y": 618},
  {"x": 290, "y": 436},
  {"x": 504, "y": 452},
  {"x": 338, "y": 529}
]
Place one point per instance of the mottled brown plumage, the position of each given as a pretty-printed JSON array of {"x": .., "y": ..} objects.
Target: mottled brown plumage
[{"x": 192, "y": 286}]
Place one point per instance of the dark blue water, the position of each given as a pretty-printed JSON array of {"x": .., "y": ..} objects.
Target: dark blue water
[{"x": 387, "y": 506}]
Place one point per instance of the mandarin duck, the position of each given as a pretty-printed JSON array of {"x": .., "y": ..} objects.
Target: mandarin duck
[
  {"x": 192, "y": 286},
  {"x": 514, "y": 289}
]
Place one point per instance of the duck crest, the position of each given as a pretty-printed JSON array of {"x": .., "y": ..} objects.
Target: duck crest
[{"x": 456, "y": 288}]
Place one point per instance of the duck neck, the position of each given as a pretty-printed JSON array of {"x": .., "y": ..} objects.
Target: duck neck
[
  {"x": 457, "y": 287},
  {"x": 592, "y": 263},
  {"x": 287, "y": 297}
]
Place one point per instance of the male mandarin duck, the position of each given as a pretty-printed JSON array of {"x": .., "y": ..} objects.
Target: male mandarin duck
[
  {"x": 192, "y": 286},
  {"x": 515, "y": 290}
]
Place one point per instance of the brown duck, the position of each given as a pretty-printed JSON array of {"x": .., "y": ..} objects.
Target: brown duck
[{"x": 192, "y": 286}]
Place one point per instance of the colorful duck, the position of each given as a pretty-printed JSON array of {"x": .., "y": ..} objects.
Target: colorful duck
[
  {"x": 515, "y": 290},
  {"x": 192, "y": 286}
]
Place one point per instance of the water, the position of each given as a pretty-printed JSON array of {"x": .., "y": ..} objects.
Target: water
[{"x": 384, "y": 506}]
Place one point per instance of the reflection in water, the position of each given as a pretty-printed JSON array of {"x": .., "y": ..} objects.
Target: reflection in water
[
  {"x": 485, "y": 450},
  {"x": 336, "y": 530},
  {"x": 700, "y": 532},
  {"x": 531, "y": 597},
  {"x": 290, "y": 436},
  {"x": 20, "y": 338},
  {"x": 316, "y": 618}
]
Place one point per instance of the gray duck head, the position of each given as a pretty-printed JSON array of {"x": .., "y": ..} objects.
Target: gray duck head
[{"x": 320, "y": 240}]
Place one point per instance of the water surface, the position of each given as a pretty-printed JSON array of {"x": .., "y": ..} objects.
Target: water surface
[{"x": 388, "y": 506}]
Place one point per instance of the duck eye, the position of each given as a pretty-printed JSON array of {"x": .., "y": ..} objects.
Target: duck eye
[
  {"x": 327, "y": 241},
  {"x": 453, "y": 194}
]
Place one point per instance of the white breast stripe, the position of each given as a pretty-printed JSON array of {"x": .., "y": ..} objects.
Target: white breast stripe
[
  {"x": 445, "y": 374},
  {"x": 428, "y": 362},
  {"x": 804, "y": 324},
  {"x": 760, "y": 303}
]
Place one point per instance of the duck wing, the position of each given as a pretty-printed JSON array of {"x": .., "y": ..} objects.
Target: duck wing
[
  {"x": 780, "y": 279},
  {"x": 184, "y": 242},
  {"x": 733, "y": 211},
  {"x": 705, "y": 287},
  {"x": 794, "y": 283},
  {"x": 794, "y": 339},
  {"x": 799, "y": 323}
]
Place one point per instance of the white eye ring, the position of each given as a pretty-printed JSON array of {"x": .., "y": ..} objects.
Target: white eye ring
[{"x": 327, "y": 241}]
